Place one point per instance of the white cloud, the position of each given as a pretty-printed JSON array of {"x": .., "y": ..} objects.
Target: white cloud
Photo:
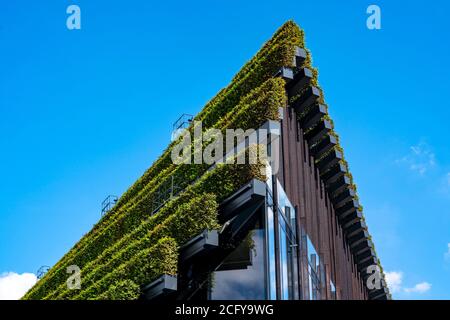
[
  {"x": 420, "y": 158},
  {"x": 419, "y": 288},
  {"x": 394, "y": 281},
  {"x": 13, "y": 286},
  {"x": 423, "y": 162}
]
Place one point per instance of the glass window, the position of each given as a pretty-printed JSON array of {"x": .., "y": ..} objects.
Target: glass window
[
  {"x": 286, "y": 207},
  {"x": 313, "y": 271},
  {"x": 249, "y": 271},
  {"x": 288, "y": 246},
  {"x": 272, "y": 279},
  {"x": 269, "y": 177},
  {"x": 333, "y": 290},
  {"x": 242, "y": 275}
]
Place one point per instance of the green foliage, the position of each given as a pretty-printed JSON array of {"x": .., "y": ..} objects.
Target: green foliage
[
  {"x": 276, "y": 53},
  {"x": 258, "y": 106},
  {"x": 222, "y": 181},
  {"x": 122, "y": 290},
  {"x": 252, "y": 98},
  {"x": 144, "y": 267},
  {"x": 189, "y": 219}
]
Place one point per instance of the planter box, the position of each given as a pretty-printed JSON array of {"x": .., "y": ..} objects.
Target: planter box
[
  {"x": 362, "y": 266},
  {"x": 381, "y": 294},
  {"x": 338, "y": 186},
  {"x": 361, "y": 246},
  {"x": 301, "y": 79},
  {"x": 318, "y": 132},
  {"x": 300, "y": 56},
  {"x": 286, "y": 73},
  {"x": 358, "y": 236},
  {"x": 161, "y": 287},
  {"x": 200, "y": 245},
  {"x": 355, "y": 227},
  {"x": 313, "y": 116},
  {"x": 248, "y": 195},
  {"x": 348, "y": 209},
  {"x": 334, "y": 173},
  {"x": 329, "y": 160},
  {"x": 368, "y": 261},
  {"x": 354, "y": 216},
  {"x": 308, "y": 98},
  {"x": 341, "y": 198},
  {"x": 364, "y": 255}
]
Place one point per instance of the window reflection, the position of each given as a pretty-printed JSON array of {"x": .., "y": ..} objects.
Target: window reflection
[
  {"x": 332, "y": 290},
  {"x": 249, "y": 270},
  {"x": 241, "y": 275},
  {"x": 272, "y": 279},
  {"x": 313, "y": 271},
  {"x": 288, "y": 246}
]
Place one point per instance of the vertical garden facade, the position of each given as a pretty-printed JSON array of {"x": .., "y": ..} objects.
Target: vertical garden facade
[{"x": 288, "y": 226}]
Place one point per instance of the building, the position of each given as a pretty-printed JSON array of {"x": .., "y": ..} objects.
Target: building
[{"x": 288, "y": 226}]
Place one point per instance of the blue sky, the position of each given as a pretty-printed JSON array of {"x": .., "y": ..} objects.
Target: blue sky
[{"x": 83, "y": 113}]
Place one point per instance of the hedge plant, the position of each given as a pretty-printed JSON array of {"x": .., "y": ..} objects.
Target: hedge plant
[
  {"x": 276, "y": 53},
  {"x": 252, "y": 98},
  {"x": 182, "y": 226},
  {"x": 222, "y": 181},
  {"x": 122, "y": 290},
  {"x": 258, "y": 106},
  {"x": 189, "y": 219},
  {"x": 144, "y": 267}
]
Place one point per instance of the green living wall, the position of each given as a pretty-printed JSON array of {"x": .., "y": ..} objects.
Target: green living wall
[{"x": 131, "y": 245}]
